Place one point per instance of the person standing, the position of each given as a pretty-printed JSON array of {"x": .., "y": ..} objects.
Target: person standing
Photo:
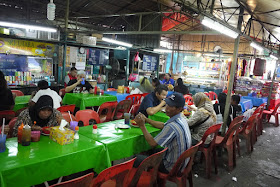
[
  {"x": 72, "y": 75},
  {"x": 168, "y": 79}
]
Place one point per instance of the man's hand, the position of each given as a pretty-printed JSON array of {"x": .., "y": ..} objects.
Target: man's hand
[
  {"x": 79, "y": 81},
  {"x": 143, "y": 116},
  {"x": 140, "y": 120},
  {"x": 36, "y": 128},
  {"x": 162, "y": 103}
]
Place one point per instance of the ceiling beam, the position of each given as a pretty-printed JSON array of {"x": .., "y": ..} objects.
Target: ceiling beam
[{"x": 210, "y": 32}]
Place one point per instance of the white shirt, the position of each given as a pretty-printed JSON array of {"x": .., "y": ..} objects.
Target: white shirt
[
  {"x": 67, "y": 79},
  {"x": 56, "y": 98}
]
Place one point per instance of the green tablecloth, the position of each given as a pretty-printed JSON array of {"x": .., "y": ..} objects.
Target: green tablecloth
[
  {"x": 120, "y": 143},
  {"x": 159, "y": 116},
  {"x": 46, "y": 160},
  {"x": 87, "y": 100},
  {"x": 21, "y": 102}
]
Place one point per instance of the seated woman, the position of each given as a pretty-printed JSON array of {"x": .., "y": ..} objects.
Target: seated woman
[
  {"x": 42, "y": 113},
  {"x": 180, "y": 87},
  {"x": 202, "y": 119},
  {"x": 6, "y": 97}
]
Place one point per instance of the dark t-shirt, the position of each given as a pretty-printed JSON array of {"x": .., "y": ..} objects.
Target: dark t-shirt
[
  {"x": 6, "y": 99},
  {"x": 80, "y": 88},
  {"x": 149, "y": 101},
  {"x": 234, "y": 111},
  {"x": 183, "y": 89}
]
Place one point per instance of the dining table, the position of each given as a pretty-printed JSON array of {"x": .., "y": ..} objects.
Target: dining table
[
  {"x": 120, "y": 96},
  {"x": 159, "y": 116},
  {"x": 21, "y": 102},
  {"x": 83, "y": 100},
  {"x": 46, "y": 160},
  {"x": 120, "y": 143}
]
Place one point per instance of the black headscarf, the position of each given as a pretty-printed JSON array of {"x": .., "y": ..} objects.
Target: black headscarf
[{"x": 43, "y": 102}]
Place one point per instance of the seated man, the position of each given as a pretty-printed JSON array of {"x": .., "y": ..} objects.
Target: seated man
[
  {"x": 175, "y": 134},
  {"x": 168, "y": 79},
  {"x": 44, "y": 89},
  {"x": 79, "y": 85},
  {"x": 154, "y": 102}
]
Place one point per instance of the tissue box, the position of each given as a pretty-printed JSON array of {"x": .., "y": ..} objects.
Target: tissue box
[{"x": 61, "y": 137}]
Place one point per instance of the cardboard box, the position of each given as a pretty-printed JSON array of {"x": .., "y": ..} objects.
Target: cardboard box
[{"x": 61, "y": 137}]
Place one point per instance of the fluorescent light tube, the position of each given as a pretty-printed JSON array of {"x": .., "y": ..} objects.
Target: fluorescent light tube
[
  {"x": 256, "y": 46},
  {"x": 117, "y": 42},
  {"x": 163, "y": 50},
  {"x": 23, "y": 26},
  {"x": 218, "y": 27},
  {"x": 274, "y": 57}
]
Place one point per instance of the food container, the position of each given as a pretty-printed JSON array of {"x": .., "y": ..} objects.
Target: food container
[{"x": 35, "y": 136}]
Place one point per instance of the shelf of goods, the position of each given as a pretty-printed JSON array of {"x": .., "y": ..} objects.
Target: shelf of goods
[
  {"x": 246, "y": 85},
  {"x": 275, "y": 90}
]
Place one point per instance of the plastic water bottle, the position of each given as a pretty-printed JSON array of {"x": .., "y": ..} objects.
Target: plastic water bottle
[{"x": 51, "y": 10}]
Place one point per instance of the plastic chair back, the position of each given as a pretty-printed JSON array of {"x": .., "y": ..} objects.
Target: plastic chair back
[
  {"x": 250, "y": 124},
  {"x": 62, "y": 92},
  {"x": 84, "y": 181},
  {"x": 237, "y": 119},
  {"x": 107, "y": 109},
  {"x": 213, "y": 95},
  {"x": 211, "y": 131},
  {"x": 188, "y": 99},
  {"x": 115, "y": 174},
  {"x": 111, "y": 90},
  {"x": 11, "y": 126},
  {"x": 134, "y": 109},
  {"x": 8, "y": 115},
  {"x": 66, "y": 108},
  {"x": 151, "y": 163},
  {"x": 136, "y": 98},
  {"x": 122, "y": 107},
  {"x": 176, "y": 170},
  {"x": 232, "y": 133},
  {"x": 66, "y": 116},
  {"x": 275, "y": 109},
  {"x": 86, "y": 115},
  {"x": 17, "y": 92}
]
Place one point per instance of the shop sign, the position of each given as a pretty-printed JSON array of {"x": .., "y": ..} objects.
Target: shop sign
[
  {"x": 98, "y": 57},
  {"x": 25, "y": 47}
]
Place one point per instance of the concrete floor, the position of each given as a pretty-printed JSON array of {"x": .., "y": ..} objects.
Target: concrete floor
[{"x": 260, "y": 168}]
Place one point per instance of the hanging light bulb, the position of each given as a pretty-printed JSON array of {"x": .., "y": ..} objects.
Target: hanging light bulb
[{"x": 51, "y": 11}]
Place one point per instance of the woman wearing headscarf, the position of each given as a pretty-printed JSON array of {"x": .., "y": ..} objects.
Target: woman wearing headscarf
[
  {"x": 202, "y": 119},
  {"x": 180, "y": 87},
  {"x": 42, "y": 114}
]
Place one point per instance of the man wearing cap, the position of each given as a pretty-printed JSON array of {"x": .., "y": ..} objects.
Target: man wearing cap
[
  {"x": 168, "y": 79},
  {"x": 79, "y": 85},
  {"x": 175, "y": 134}
]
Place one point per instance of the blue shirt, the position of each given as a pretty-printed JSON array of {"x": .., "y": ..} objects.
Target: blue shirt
[
  {"x": 149, "y": 101},
  {"x": 177, "y": 137},
  {"x": 171, "y": 81}
]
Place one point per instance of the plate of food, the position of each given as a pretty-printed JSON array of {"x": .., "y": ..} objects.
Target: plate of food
[
  {"x": 122, "y": 126},
  {"x": 133, "y": 123},
  {"x": 46, "y": 131},
  {"x": 186, "y": 112}
]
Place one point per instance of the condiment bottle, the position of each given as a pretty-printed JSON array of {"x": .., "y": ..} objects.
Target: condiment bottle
[
  {"x": 94, "y": 129},
  {"x": 76, "y": 136},
  {"x": 20, "y": 128},
  {"x": 26, "y": 135}
]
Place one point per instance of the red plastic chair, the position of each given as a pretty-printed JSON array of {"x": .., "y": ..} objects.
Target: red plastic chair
[
  {"x": 11, "y": 126},
  {"x": 211, "y": 149},
  {"x": 134, "y": 109},
  {"x": 239, "y": 120},
  {"x": 207, "y": 94},
  {"x": 86, "y": 115},
  {"x": 66, "y": 108},
  {"x": 248, "y": 132},
  {"x": 136, "y": 98},
  {"x": 188, "y": 99},
  {"x": 228, "y": 142},
  {"x": 175, "y": 175},
  {"x": 106, "y": 111},
  {"x": 62, "y": 92},
  {"x": 66, "y": 116},
  {"x": 111, "y": 89},
  {"x": 213, "y": 96},
  {"x": 274, "y": 113},
  {"x": 122, "y": 107},
  {"x": 8, "y": 115},
  {"x": 146, "y": 173},
  {"x": 259, "y": 126},
  {"x": 17, "y": 92},
  {"x": 84, "y": 181},
  {"x": 113, "y": 176}
]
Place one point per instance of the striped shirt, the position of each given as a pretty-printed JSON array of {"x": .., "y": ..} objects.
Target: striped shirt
[{"x": 176, "y": 137}]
